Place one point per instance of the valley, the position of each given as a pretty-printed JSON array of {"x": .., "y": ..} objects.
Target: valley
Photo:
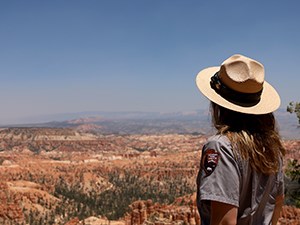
[{"x": 70, "y": 176}]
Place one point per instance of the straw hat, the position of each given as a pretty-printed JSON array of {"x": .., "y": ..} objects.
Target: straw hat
[{"x": 238, "y": 84}]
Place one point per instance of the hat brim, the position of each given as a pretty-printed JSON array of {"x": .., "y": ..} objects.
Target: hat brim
[{"x": 269, "y": 101}]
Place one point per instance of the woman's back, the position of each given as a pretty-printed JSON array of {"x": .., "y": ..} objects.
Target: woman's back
[{"x": 233, "y": 181}]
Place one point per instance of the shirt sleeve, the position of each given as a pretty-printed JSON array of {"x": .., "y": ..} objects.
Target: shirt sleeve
[
  {"x": 219, "y": 173},
  {"x": 280, "y": 179}
]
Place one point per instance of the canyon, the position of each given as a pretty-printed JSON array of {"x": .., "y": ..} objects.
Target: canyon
[{"x": 75, "y": 176}]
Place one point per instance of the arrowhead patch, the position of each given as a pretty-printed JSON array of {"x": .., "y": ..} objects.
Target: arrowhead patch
[{"x": 210, "y": 161}]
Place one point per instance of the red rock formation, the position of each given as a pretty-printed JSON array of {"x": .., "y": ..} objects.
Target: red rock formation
[
  {"x": 9, "y": 209},
  {"x": 150, "y": 213},
  {"x": 290, "y": 215},
  {"x": 74, "y": 221}
]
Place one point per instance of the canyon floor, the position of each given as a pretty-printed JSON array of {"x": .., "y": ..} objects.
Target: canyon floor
[{"x": 67, "y": 176}]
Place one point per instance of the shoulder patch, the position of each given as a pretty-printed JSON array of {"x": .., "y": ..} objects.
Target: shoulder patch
[{"x": 210, "y": 161}]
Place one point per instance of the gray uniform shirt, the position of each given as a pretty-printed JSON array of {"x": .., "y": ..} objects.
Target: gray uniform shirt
[{"x": 225, "y": 178}]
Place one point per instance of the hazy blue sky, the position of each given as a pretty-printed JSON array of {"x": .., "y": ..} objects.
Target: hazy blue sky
[{"x": 116, "y": 55}]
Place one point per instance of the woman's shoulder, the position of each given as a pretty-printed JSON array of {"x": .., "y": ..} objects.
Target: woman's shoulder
[
  {"x": 219, "y": 139},
  {"x": 219, "y": 143}
]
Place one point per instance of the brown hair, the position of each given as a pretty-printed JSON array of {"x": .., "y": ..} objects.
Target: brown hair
[{"x": 253, "y": 137}]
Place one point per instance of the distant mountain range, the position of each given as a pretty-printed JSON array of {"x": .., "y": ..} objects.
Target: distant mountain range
[{"x": 151, "y": 122}]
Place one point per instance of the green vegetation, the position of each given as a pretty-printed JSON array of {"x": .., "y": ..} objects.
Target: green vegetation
[
  {"x": 292, "y": 188},
  {"x": 114, "y": 202},
  {"x": 294, "y": 107}
]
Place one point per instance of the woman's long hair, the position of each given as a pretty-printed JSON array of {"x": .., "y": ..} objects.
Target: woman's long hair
[{"x": 254, "y": 137}]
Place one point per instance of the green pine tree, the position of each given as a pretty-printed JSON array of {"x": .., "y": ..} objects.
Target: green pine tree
[{"x": 294, "y": 107}]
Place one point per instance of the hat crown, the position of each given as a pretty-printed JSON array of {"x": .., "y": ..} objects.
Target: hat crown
[{"x": 242, "y": 74}]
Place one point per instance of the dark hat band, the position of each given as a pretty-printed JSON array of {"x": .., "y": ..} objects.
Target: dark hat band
[{"x": 236, "y": 97}]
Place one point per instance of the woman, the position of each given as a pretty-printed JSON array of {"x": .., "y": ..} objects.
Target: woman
[{"x": 240, "y": 180}]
